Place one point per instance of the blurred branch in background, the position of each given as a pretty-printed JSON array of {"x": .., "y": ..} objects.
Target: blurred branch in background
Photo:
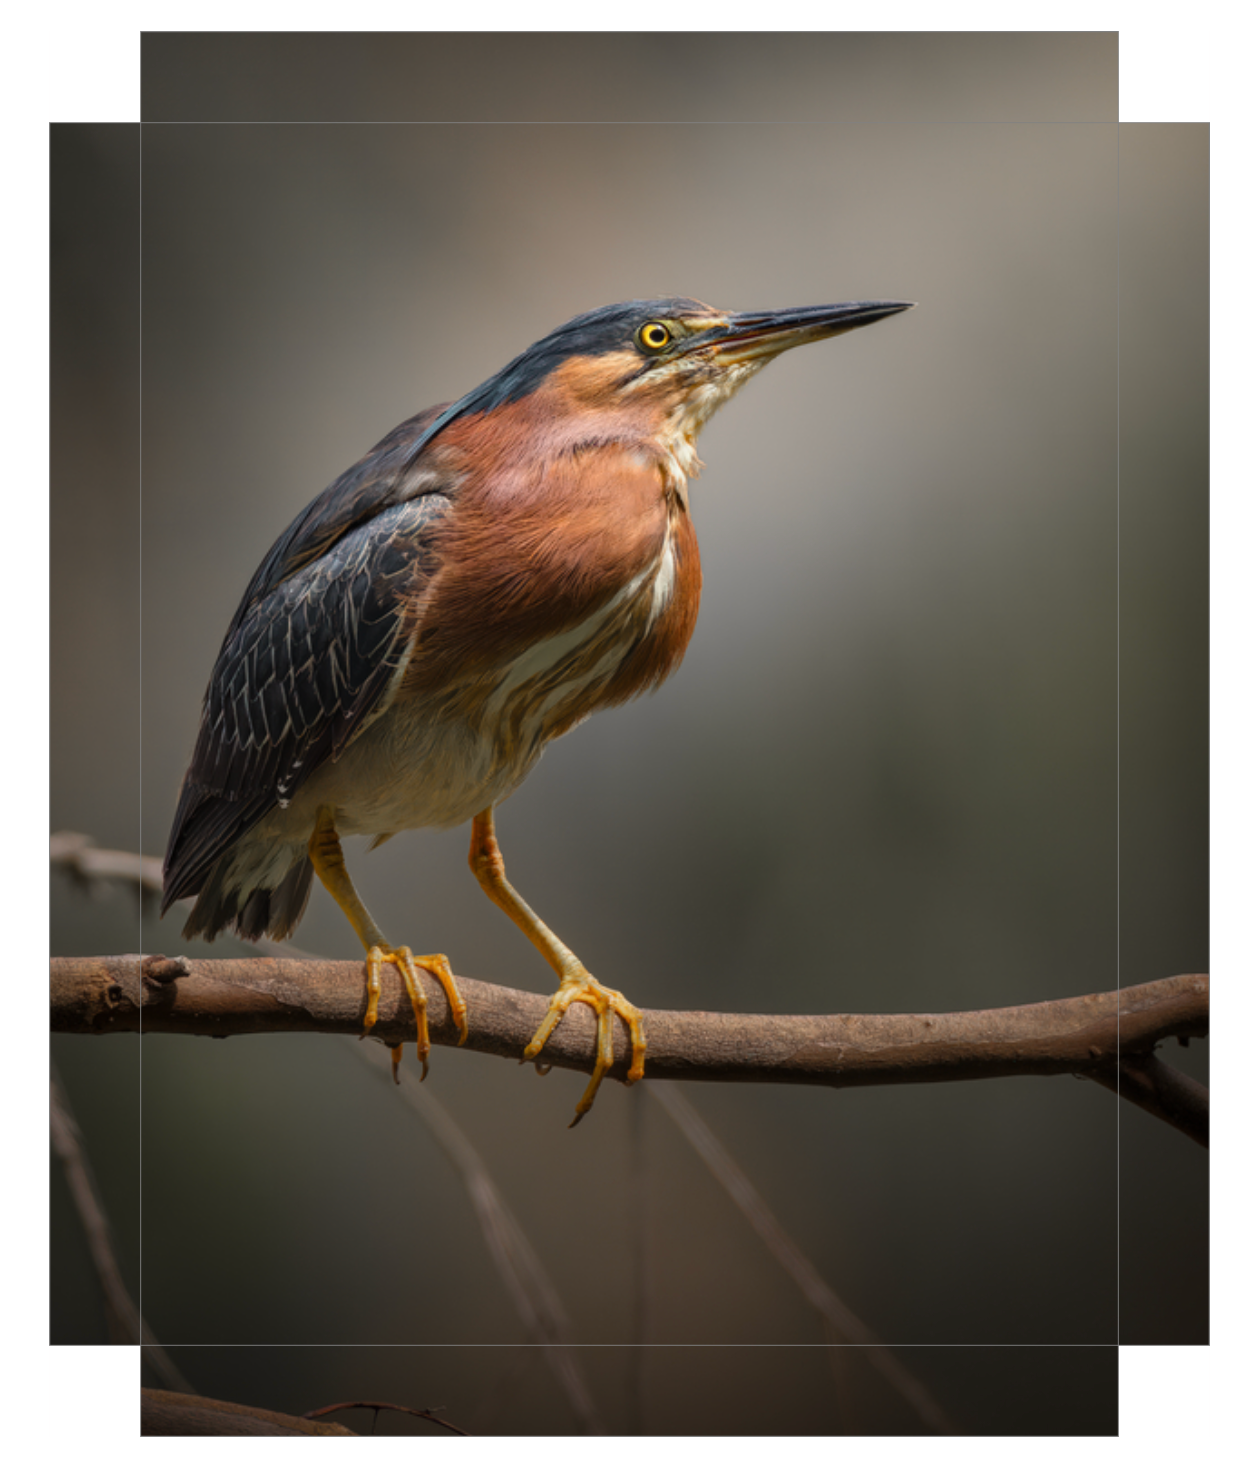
[
  {"x": 164, "y": 1414},
  {"x": 77, "y": 856},
  {"x": 532, "y": 1290},
  {"x": 843, "y": 1328},
  {"x": 126, "y": 1325},
  {"x": 423, "y": 1414}
]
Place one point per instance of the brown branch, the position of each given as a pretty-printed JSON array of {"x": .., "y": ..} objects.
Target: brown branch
[
  {"x": 121, "y": 1313},
  {"x": 171, "y": 1414},
  {"x": 76, "y": 854},
  {"x": 1109, "y": 1038},
  {"x": 1171, "y": 1095},
  {"x": 842, "y": 1326},
  {"x": 377, "y": 1406},
  {"x": 125, "y": 1324},
  {"x": 1086, "y": 1035},
  {"x": 532, "y": 1289}
]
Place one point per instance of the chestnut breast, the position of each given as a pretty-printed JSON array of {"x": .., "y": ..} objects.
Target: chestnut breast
[{"x": 569, "y": 573}]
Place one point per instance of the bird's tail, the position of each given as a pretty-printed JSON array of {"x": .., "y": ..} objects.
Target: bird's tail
[{"x": 253, "y": 903}]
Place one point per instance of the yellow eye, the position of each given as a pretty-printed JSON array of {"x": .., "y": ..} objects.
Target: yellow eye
[{"x": 653, "y": 336}]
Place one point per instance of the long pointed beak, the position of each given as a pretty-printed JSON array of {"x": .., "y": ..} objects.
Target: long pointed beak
[{"x": 766, "y": 334}]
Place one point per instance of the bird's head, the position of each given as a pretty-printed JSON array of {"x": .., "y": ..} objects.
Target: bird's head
[
  {"x": 673, "y": 361},
  {"x": 681, "y": 359}
]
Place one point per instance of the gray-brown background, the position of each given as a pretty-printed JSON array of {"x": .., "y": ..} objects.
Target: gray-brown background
[{"x": 889, "y": 776}]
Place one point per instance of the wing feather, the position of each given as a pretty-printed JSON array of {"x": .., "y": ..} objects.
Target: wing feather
[
  {"x": 390, "y": 473},
  {"x": 309, "y": 658}
]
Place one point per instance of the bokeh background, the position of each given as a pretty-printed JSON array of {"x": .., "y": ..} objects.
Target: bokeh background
[{"x": 939, "y": 741}]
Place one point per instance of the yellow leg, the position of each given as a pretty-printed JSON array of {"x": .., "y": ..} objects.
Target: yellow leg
[
  {"x": 326, "y": 855},
  {"x": 577, "y": 983}
]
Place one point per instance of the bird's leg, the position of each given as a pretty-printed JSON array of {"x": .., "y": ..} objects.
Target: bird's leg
[
  {"x": 326, "y": 855},
  {"x": 577, "y": 983}
]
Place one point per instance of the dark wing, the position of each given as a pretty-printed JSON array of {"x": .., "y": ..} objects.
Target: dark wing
[
  {"x": 310, "y": 655},
  {"x": 389, "y": 473}
]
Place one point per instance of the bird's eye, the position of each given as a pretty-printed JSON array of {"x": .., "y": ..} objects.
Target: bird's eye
[{"x": 653, "y": 336}]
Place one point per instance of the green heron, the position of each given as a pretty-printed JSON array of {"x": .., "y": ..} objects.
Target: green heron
[{"x": 493, "y": 572}]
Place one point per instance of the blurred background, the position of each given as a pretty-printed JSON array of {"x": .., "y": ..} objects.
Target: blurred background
[{"x": 952, "y": 643}]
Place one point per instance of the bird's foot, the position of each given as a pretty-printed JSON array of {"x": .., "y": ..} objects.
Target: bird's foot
[
  {"x": 606, "y": 1003},
  {"x": 408, "y": 964}
]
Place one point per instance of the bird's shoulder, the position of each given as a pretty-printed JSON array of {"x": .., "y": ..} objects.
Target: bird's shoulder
[{"x": 394, "y": 471}]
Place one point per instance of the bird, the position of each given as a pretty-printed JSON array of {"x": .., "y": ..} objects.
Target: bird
[{"x": 490, "y": 574}]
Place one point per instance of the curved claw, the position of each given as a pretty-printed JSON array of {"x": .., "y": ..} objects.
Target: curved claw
[
  {"x": 408, "y": 964},
  {"x": 606, "y": 1003}
]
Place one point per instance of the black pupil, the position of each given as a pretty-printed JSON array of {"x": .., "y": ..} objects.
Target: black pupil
[{"x": 654, "y": 335}]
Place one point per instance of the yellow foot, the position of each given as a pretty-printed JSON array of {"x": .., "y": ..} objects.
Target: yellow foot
[
  {"x": 606, "y": 1003},
  {"x": 408, "y": 964}
]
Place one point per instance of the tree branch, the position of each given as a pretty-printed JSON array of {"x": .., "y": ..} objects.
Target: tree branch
[
  {"x": 76, "y": 855},
  {"x": 171, "y": 1414},
  {"x": 1087, "y": 1035},
  {"x": 1171, "y": 1095}
]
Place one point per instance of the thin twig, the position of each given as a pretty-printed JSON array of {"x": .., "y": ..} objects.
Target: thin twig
[
  {"x": 1162, "y": 1090},
  {"x": 126, "y": 1325},
  {"x": 789, "y": 1254},
  {"x": 171, "y": 1414},
  {"x": 533, "y": 1291},
  {"x": 377, "y": 1406},
  {"x": 76, "y": 854}
]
